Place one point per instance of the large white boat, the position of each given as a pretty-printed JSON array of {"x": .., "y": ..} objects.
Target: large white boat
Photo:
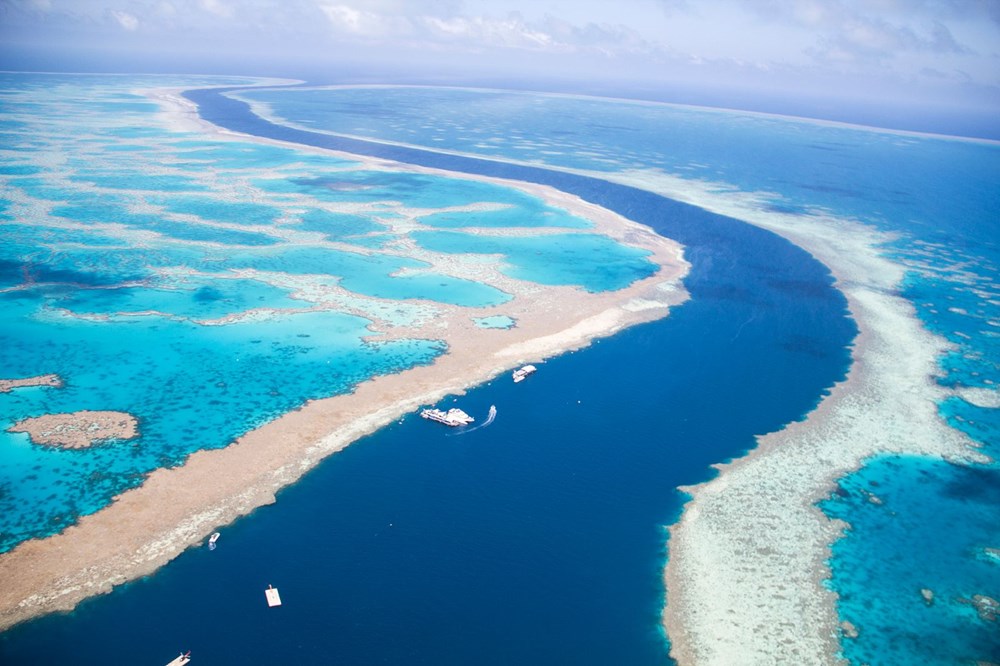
[
  {"x": 272, "y": 596},
  {"x": 521, "y": 373},
  {"x": 453, "y": 417},
  {"x": 181, "y": 660}
]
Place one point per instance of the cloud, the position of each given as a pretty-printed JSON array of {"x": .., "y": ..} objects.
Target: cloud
[
  {"x": 611, "y": 40},
  {"x": 910, "y": 42},
  {"x": 438, "y": 25},
  {"x": 25, "y": 7},
  {"x": 217, "y": 7},
  {"x": 511, "y": 32},
  {"x": 363, "y": 23},
  {"x": 873, "y": 28},
  {"x": 865, "y": 41},
  {"x": 125, "y": 20}
]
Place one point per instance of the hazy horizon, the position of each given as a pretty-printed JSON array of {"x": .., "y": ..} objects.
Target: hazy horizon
[{"x": 902, "y": 64}]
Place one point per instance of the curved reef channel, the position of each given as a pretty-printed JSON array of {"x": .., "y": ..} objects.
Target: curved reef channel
[{"x": 536, "y": 540}]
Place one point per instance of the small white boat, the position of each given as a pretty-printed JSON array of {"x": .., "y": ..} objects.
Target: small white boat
[
  {"x": 520, "y": 374},
  {"x": 273, "y": 599},
  {"x": 212, "y": 539},
  {"x": 181, "y": 660},
  {"x": 453, "y": 417}
]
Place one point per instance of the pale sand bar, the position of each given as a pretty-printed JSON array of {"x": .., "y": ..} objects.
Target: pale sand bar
[
  {"x": 78, "y": 430},
  {"x": 8, "y": 385},
  {"x": 175, "y": 508},
  {"x": 749, "y": 556}
]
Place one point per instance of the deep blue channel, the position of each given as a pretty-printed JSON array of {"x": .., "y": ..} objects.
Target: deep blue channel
[{"x": 536, "y": 540}]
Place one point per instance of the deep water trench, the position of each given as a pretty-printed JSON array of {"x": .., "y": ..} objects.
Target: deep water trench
[{"x": 538, "y": 540}]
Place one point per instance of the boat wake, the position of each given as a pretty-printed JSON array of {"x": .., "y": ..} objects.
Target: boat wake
[{"x": 489, "y": 419}]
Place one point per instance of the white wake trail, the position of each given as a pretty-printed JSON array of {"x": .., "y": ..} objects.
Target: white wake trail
[{"x": 489, "y": 419}]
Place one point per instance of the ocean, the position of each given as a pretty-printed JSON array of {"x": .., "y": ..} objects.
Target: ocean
[
  {"x": 540, "y": 538},
  {"x": 938, "y": 196}
]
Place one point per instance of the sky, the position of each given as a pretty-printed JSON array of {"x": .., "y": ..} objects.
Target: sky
[{"x": 936, "y": 57}]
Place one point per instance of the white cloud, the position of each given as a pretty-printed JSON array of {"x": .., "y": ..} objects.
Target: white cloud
[
  {"x": 125, "y": 20},
  {"x": 343, "y": 17},
  {"x": 871, "y": 40},
  {"x": 881, "y": 28},
  {"x": 480, "y": 31},
  {"x": 366, "y": 24},
  {"x": 165, "y": 9},
  {"x": 435, "y": 25},
  {"x": 27, "y": 6},
  {"x": 217, "y": 7}
]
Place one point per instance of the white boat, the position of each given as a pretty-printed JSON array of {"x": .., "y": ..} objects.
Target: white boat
[
  {"x": 273, "y": 599},
  {"x": 521, "y": 373},
  {"x": 453, "y": 417},
  {"x": 212, "y": 539},
  {"x": 181, "y": 660}
]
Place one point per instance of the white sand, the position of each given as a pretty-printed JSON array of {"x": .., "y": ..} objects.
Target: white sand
[{"x": 748, "y": 558}]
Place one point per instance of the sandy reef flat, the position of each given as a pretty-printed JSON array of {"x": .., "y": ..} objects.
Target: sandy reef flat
[
  {"x": 78, "y": 430},
  {"x": 748, "y": 558},
  {"x": 146, "y": 527},
  {"x": 7, "y": 385}
]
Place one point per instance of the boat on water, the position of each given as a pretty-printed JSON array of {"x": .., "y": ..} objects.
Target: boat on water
[
  {"x": 521, "y": 373},
  {"x": 273, "y": 599},
  {"x": 453, "y": 417},
  {"x": 184, "y": 658},
  {"x": 212, "y": 539}
]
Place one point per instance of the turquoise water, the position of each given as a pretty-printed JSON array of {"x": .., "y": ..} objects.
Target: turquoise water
[
  {"x": 531, "y": 214},
  {"x": 126, "y": 180},
  {"x": 939, "y": 196},
  {"x": 338, "y": 226},
  {"x": 193, "y": 299},
  {"x": 920, "y": 525},
  {"x": 191, "y": 386},
  {"x": 231, "y": 212},
  {"x": 417, "y": 190},
  {"x": 594, "y": 262},
  {"x": 185, "y": 279},
  {"x": 373, "y": 275}
]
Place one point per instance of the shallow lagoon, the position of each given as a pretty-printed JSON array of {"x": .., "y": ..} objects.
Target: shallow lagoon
[
  {"x": 594, "y": 262},
  {"x": 125, "y": 238}
]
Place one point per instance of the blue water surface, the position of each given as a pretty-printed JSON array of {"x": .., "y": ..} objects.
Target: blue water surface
[
  {"x": 938, "y": 195},
  {"x": 538, "y": 539},
  {"x": 915, "y": 525}
]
